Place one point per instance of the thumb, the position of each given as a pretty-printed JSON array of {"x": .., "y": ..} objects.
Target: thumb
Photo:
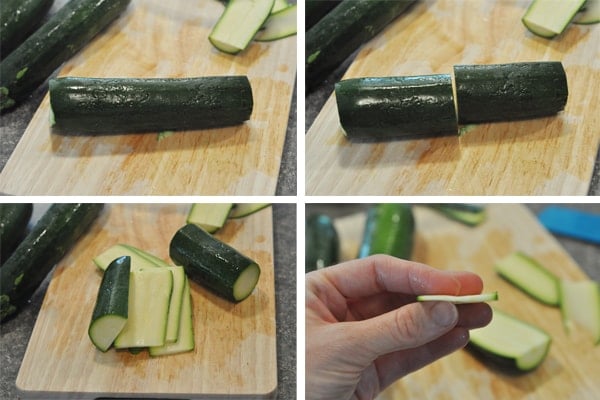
[{"x": 407, "y": 327}]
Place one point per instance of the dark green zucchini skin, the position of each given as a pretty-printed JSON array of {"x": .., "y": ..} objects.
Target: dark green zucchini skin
[
  {"x": 14, "y": 218},
  {"x": 343, "y": 30},
  {"x": 18, "y": 18},
  {"x": 98, "y": 105},
  {"x": 322, "y": 244},
  {"x": 56, "y": 41},
  {"x": 504, "y": 92},
  {"x": 207, "y": 260},
  {"x": 316, "y": 9},
  {"x": 502, "y": 364},
  {"x": 392, "y": 107},
  {"x": 50, "y": 239},
  {"x": 389, "y": 230}
]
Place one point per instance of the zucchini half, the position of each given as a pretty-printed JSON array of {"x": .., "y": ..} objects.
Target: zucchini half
[{"x": 548, "y": 18}]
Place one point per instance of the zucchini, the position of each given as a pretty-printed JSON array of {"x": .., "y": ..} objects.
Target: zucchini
[
  {"x": 314, "y": 10},
  {"x": 510, "y": 343},
  {"x": 530, "y": 276},
  {"x": 14, "y": 218},
  {"x": 504, "y": 92},
  {"x": 580, "y": 306},
  {"x": 279, "y": 25},
  {"x": 240, "y": 210},
  {"x": 279, "y": 5},
  {"x": 467, "y": 299},
  {"x": 139, "y": 258},
  {"x": 239, "y": 23},
  {"x": 321, "y": 243},
  {"x": 589, "y": 14},
  {"x": 389, "y": 230},
  {"x": 343, "y": 30},
  {"x": 50, "y": 239},
  {"x": 214, "y": 264},
  {"x": 175, "y": 304},
  {"x": 111, "y": 309},
  {"x": 149, "y": 299},
  {"x": 209, "y": 216},
  {"x": 390, "y": 107},
  {"x": 548, "y": 18},
  {"x": 18, "y": 18},
  {"x": 185, "y": 338},
  {"x": 63, "y": 35},
  {"x": 468, "y": 214},
  {"x": 117, "y": 105}
]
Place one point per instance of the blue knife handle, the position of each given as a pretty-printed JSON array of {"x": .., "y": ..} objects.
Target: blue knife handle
[{"x": 570, "y": 222}]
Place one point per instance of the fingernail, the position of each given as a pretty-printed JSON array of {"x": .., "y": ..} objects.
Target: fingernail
[{"x": 444, "y": 313}]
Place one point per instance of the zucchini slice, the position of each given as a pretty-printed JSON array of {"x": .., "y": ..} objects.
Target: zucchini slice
[
  {"x": 185, "y": 339},
  {"x": 111, "y": 310},
  {"x": 279, "y": 25},
  {"x": 321, "y": 243},
  {"x": 389, "y": 107},
  {"x": 473, "y": 298},
  {"x": 510, "y": 343},
  {"x": 214, "y": 264},
  {"x": 505, "y": 92},
  {"x": 18, "y": 18},
  {"x": 139, "y": 258},
  {"x": 14, "y": 218},
  {"x": 580, "y": 305},
  {"x": 389, "y": 230},
  {"x": 238, "y": 24},
  {"x": 175, "y": 304},
  {"x": 121, "y": 105},
  {"x": 468, "y": 214},
  {"x": 240, "y": 210},
  {"x": 149, "y": 299},
  {"x": 548, "y": 18},
  {"x": 530, "y": 276},
  {"x": 209, "y": 216},
  {"x": 279, "y": 5},
  {"x": 590, "y": 14}
]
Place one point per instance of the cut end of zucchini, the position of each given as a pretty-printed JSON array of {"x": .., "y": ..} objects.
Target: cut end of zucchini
[
  {"x": 475, "y": 298},
  {"x": 105, "y": 329},
  {"x": 580, "y": 306},
  {"x": 246, "y": 282}
]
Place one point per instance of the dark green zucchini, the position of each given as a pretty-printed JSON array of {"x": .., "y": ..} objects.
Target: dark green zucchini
[
  {"x": 504, "y": 92},
  {"x": 95, "y": 105},
  {"x": 14, "y": 218},
  {"x": 388, "y": 107},
  {"x": 112, "y": 304},
  {"x": 56, "y": 41},
  {"x": 49, "y": 240},
  {"x": 18, "y": 18},
  {"x": 343, "y": 30},
  {"x": 468, "y": 214},
  {"x": 214, "y": 264},
  {"x": 321, "y": 243},
  {"x": 389, "y": 230},
  {"x": 314, "y": 10}
]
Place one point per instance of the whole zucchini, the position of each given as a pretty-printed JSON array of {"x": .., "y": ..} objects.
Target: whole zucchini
[
  {"x": 504, "y": 92},
  {"x": 18, "y": 18},
  {"x": 214, "y": 264},
  {"x": 343, "y": 30},
  {"x": 389, "y": 230},
  {"x": 49, "y": 240},
  {"x": 390, "y": 107},
  {"x": 14, "y": 218},
  {"x": 317, "y": 9},
  {"x": 115, "y": 105},
  {"x": 322, "y": 245},
  {"x": 65, "y": 33}
]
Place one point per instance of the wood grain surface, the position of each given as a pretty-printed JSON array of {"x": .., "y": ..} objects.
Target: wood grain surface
[
  {"x": 157, "y": 38},
  {"x": 545, "y": 156},
  {"x": 235, "y": 354},
  {"x": 571, "y": 369}
]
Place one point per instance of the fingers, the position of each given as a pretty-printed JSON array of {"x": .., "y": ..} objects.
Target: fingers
[
  {"x": 378, "y": 274},
  {"x": 474, "y": 315}
]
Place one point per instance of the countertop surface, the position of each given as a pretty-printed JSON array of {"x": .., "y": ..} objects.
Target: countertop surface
[{"x": 15, "y": 334}]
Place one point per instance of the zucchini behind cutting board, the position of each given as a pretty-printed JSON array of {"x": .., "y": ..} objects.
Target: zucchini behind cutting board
[
  {"x": 18, "y": 18},
  {"x": 14, "y": 218},
  {"x": 389, "y": 230},
  {"x": 121, "y": 105},
  {"x": 322, "y": 244}
]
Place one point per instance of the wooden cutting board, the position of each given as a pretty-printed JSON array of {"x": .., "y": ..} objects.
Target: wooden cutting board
[
  {"x": 571, "y": 369},
  {"x": 546, "y": 156},
  {"x": 156, "y": 38},
  {"x": 235, "y": 354}
]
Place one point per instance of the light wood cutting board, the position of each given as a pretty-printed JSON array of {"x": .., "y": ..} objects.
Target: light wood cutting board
[
  {"x": 235, "y": 354},
  {"x": 156, "y": 38},
  {"x": 571, "y": 369},
  {"x": 546, "y": 156}
]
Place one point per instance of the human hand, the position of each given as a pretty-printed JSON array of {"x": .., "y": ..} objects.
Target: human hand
[{"x": 364, "y": 329}]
